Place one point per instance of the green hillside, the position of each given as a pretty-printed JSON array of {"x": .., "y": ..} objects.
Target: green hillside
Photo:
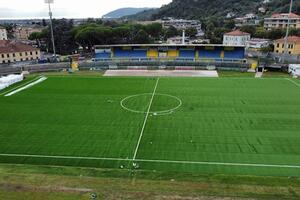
[{"x": 195, "y": 9}]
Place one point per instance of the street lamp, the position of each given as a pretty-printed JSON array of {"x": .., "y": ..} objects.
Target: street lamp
[
  {"x": 287, "y": 32},
  {"x": 49, "y": 2}
]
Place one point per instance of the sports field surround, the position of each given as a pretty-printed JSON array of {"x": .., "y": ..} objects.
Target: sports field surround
[{"x": 202, "y": 125}]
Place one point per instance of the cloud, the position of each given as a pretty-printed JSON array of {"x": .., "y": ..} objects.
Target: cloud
[{"x": 16, "y": 9}]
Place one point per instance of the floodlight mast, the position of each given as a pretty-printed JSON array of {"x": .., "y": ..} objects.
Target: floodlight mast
[
  {"x": 287, "y": 33},
  {"x": 49, "y": 2}
]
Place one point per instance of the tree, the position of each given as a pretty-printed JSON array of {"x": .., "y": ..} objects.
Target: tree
[
  {"x": 191, "y": 32},
  {"x": 248, "y": 29},
  {"x": 170, "y": 32},
  {"x": 154, "y": 30},
  {"x": 142, "y": 37}
]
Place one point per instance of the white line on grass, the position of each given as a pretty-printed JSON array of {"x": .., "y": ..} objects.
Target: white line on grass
[
  {"x": 26, "y": 86},
  {"x": 293, "y": 82},
  {"x": 20, "y": 85},
  {"x": 156, "y": 161},
  {"x": 145, "y": 121}
]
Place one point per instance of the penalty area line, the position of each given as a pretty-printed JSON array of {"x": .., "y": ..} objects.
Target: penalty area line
[
  {"x": 295, "y": 83},
  {"x": 155, "y": 161}
]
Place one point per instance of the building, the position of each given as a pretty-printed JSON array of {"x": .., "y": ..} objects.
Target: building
[
  {"x": 236, "y": 38},
  {"x": 23, "y": 32},
  {"x": 258, "y": 43},
  {"x": 280, "y": 20},
  {"x": 152, "y": 52},
  {"x": 3, "y": 33},
  {"x": 11, "y": 52},
  {"x": 182, "y": 24},
  {"x": 293, "y": 43}
]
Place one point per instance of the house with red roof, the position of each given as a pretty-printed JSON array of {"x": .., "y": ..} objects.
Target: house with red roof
[
  {"x": 280, "y": 20},
  {"x": 11, "y": 52},
  {"x": 293, "y": 45},
  {"x": 236, "y": 38}
]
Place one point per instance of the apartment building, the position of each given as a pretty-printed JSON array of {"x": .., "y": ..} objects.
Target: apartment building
[
  {"x": 280, "y": 20},
  {"x": 236, "y": 38}
]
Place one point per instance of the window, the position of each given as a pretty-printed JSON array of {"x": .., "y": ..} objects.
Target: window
[
  {"x": 14, "y": 55},
  {"x": 36, "y": 53},
  {"x": 290, "y": 52},
  {"x": 26, "y": 54},
  {"x": 2, "y": 55},
  {"x": 7, "y": 55},
  {"x": 21, "y": 54},
  {"x": 282, "y": 45},
  {"x": 31, "y": 53},
  {"x": 277, "y": 51},
  {"x": 277, "y": 45}
]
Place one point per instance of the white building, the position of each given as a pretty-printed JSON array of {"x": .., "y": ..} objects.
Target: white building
[
  {"x": 3, "y": 33},
  {"x": 294, "y": 69},
  {"x": 236, "y": 38},
  {"x": 258, "y": 43},
  {"x": 181, "y": 24}
]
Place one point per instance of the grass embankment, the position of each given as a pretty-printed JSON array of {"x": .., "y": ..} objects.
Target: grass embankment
[{"x": 45, "y": 182}]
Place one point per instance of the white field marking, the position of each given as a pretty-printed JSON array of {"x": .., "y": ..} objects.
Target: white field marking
[
  {"x": 145, "y": 121},
  {"x": 162, "y": 112},
  {"x": 293, "y": 82},
  {"x": 26, "y": 86},
  {"x": 64, "y": 157},
  {"x": 155, "y": 161},
  {"x": 20, "y": 85}
]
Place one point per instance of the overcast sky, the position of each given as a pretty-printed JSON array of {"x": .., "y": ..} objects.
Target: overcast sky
[{"x": 20, "y": 9}]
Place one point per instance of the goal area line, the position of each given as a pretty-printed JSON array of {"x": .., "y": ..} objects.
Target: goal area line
[{"x": 153, "y": 161}]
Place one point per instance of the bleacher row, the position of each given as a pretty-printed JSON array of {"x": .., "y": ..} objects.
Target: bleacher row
[{"x": 197, "y": 54}]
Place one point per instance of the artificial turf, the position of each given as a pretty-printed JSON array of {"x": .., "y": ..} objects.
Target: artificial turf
[{"x": 226, "y": 120}]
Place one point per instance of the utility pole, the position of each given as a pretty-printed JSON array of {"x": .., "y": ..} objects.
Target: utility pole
[
  {"x": 49, "y": 2},
  {"x": 286, "y": 49}
]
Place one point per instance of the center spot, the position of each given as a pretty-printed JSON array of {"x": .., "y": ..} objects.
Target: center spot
[{"x": 161, "y": 104}]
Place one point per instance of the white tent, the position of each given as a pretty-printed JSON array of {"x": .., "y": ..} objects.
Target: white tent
[
  {"x": 7, "y": 81},
  {"x": 294, "y": 69}
]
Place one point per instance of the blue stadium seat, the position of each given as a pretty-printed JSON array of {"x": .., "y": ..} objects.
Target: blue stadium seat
[
  {"x": 104, "y": 55},
  {"x": 234, "y": 54},
  {"x": 213, "y": 54},
  {"x": 186, "y": 53}
]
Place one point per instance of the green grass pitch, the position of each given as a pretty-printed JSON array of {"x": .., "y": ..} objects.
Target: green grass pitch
[{"x": 202, "y": 125}]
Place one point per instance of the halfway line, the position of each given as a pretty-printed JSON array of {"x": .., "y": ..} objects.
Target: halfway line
[{"x": 145, "y": 121}]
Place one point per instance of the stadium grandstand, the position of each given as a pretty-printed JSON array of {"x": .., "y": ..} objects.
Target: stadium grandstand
[
  {"x": 199, "y": 56},
  {"x": 218, "y": 53}
]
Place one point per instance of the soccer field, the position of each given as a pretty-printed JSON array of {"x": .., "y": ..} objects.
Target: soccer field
[{"x": 202, "y": 125}]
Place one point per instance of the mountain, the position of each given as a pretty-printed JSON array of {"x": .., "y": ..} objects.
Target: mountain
[
  {"x": 195, "y": 9},
  {"x": 122, "y": 12}
]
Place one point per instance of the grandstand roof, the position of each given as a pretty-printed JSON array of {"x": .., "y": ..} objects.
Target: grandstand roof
[
  {"x": 161, "y": 45},
  {"x": 237, "y": 33},
  {"x": 7, "y": 46}
]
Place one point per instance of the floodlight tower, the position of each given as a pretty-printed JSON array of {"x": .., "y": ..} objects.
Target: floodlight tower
[
  {"x": 49, "y": 2},
  {"x": 286, "y": 50}
]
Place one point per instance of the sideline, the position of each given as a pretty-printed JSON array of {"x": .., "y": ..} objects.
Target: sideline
[
  {"x": 155, "y": 161},
  {"x": 41, "y": 79}
]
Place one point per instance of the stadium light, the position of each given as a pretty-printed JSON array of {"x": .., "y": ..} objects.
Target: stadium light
[
  {"x": 49, "y": 2},
  {"x": 287, "y": 33}
]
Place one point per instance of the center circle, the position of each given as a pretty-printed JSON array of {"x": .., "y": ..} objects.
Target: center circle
[{"x": 161, "y": 104}]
